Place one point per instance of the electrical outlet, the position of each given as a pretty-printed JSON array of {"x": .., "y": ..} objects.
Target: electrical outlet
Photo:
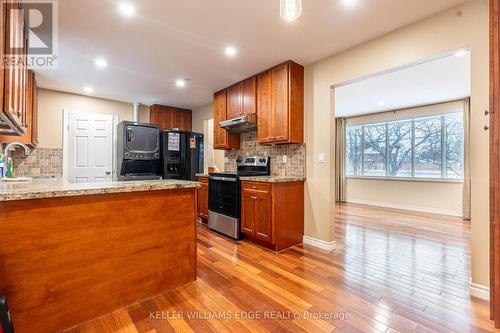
[
  {"x": 285, "y": 158},
  {"x": 226, "y": 159}
]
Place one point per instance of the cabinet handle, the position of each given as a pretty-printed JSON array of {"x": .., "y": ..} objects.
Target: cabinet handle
[{"x": 486, "y": 112}]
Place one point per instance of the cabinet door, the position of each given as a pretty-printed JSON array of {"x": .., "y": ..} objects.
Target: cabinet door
[
  {"x": 203, "y": 201},
  {"x": 248, "y": 213},
  {"x": 186, "y": 120},
  {"x": 264, "y": 107},
  {"x": 249, "y": 95},
  {"x": 34, "y": 110},
  {"x": 13, "y": 76},
  {"x": 220, "y": 135},
  {"x": 177, "y": 116},
  {"x": 280, "y": 125},
  {"x": 234, "y": 101},
  {"x": 263, "y": 228}
]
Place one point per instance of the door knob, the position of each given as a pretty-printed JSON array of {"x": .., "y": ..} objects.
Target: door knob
[{"x": 108, "y": 173}]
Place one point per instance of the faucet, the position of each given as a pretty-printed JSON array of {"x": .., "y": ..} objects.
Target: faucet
[{"x": 27, "y": 150}]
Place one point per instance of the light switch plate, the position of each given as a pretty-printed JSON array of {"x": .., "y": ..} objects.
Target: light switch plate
[
  {"x": 321, "y": 157},
  {"x": 226, "y": 159},
  {"x": 285, "y": 158}
]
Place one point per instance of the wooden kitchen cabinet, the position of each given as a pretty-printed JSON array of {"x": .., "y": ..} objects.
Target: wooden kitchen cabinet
[
  {"x": 169, "y": 117},
  {"x": 203, "y": 198},
  {"x": 222, "y": 138},
  {"x": 272, "y": 214},
  {"x": 14, "y": 115},
  {"x": 242, "y": 98},
  {"x": 280, "y": 104},
  {"x": 234, "y": 101},
  {"x": 30, "y": 122}
]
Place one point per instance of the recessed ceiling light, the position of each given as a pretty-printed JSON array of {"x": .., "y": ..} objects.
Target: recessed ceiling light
[
  {"x": 350, "y": 3},
  {"x": 126, "y": 9},
  {"x": 290, "y": 10},
  {"x": 381, "y": 103},
  {"x": 181, "y": 83},
  {"x": 101, "y": 62},
  {"x": 230, "y": 51},
  {"x": 460, "y": 53},
  {"x": 88, "y": 90}
]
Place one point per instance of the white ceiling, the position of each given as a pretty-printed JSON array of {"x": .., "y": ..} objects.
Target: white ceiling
[
  {"x": 172, "y": 39},
  {"x": 443, "y": 79}
]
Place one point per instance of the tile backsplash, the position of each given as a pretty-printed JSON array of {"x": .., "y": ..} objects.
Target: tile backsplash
[
  {"x": 296, "y": 156},
  {"x": 42, "y": 162}
]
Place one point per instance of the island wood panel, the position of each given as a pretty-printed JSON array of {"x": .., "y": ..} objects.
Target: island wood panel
[
  {"x": 393, "y": 271},
  {"x": 66, "y": 260}
]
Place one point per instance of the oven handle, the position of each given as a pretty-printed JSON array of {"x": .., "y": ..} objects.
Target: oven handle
[{"x": 225, "y": 179}]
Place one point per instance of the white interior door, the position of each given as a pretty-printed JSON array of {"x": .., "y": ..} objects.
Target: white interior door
[{"x": 89, "y": 148}]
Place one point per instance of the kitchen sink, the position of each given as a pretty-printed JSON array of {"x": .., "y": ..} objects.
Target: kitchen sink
[
  {"x": 16, "y": 180},
  {"x": 26, "y": 179},
  {"x": 43, "y": 177}
]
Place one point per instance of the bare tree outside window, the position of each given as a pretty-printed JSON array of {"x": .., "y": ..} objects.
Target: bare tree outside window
[
  {"x": 454, "y": 143},
  {"x": 375, "y": 150},
  {"x": 354, "y": 137},
  {"x": 431, "y": 147},
  {"x": 428, "y": 148},
  {"x": 400, "y": 149}
]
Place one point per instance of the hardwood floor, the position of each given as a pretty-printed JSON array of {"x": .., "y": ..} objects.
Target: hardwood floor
[{"x": 392, "y": 271}]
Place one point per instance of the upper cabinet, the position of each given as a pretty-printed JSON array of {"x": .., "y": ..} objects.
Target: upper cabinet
[
  {"x": 14, "y": 115},
  {"x": 242, "y": 98},
  {"x": 222, "y": 138},
  {"x": 30, "y": 120},
  {"x": 280, "y": 104},
  {"x": 169, "y": 117},
  {"x": 275, "y": 96}
]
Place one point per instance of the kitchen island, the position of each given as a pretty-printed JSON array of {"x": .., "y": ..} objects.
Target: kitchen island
[{"x": 73, "y": 252}]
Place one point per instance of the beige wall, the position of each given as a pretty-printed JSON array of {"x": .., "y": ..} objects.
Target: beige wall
[
  {"x": 51, "y": 105},
  {"x": 200, "y": 116},
  {"x": 428, "y": 196},
  {"x": 465, "y": 25}
]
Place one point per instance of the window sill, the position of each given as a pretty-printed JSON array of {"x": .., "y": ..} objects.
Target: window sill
[{"x": 421, "y": 180}]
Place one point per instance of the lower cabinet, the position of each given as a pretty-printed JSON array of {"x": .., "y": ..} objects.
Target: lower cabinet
[
  {"x": 203, "y": 199},
  {"x": 272, "y": 214}
]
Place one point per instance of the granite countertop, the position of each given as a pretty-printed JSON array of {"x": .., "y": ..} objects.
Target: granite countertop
[
  {"x": 201, "y": 175},
  {"x": 39, "y": 189},
  {"x": 274, "y": 179}
]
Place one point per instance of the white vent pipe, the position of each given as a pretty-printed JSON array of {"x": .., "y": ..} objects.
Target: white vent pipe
[{"x": 136, "y": 112}]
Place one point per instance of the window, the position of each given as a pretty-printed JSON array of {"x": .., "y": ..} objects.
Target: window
[
  {"x": 427, "y": 148},
  {"x": 374, "y": 150},
  {"x": 353, "y": 149}
]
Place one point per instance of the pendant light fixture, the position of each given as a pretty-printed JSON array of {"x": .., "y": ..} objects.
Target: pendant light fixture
[{"x": 290, "y": 10}]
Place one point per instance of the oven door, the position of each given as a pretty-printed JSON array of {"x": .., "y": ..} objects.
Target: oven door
[{"x": 224, "y": 196}]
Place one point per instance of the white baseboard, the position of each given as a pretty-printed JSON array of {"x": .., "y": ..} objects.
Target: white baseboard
[
  {"x": 409, "y": 207},
  {"x": 480, "y": 291},
  {"x": 321, "y": 244}
]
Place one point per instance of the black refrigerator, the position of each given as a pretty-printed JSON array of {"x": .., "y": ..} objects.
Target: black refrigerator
[{"x": 182, "y": 154}]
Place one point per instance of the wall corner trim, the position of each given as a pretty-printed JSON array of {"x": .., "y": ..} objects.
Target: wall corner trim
[
  {"x": 480, "y": 291},
  {"x": 321, "y": 244}
]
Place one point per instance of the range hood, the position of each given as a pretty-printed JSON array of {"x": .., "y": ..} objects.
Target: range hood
[{"x": 241, "y": 124}]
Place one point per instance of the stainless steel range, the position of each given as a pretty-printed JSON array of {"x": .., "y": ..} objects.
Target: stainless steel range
[{"x": 224, "y": 194}]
